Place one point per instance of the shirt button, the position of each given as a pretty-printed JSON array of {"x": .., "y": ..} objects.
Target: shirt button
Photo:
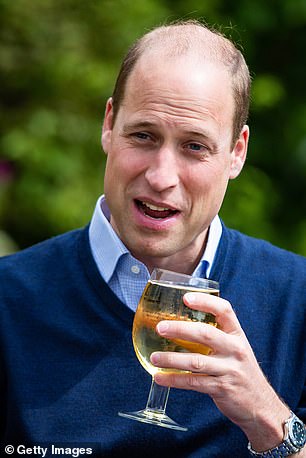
[{"x": 135, "y": 269}]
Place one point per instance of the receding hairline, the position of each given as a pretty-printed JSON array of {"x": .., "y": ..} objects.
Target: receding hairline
[{"x": 179, "y": 38}]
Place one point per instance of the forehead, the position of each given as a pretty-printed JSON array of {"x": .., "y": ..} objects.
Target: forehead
[{"x": 180, "y": 87}]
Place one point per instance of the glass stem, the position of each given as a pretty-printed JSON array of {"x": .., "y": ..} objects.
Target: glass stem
[{"x": 158, "y": 397}]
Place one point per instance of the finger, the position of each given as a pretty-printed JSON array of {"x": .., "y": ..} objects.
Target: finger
[
  {"x": 199, "y": 333},
  {"x": 221, "y": 308},
  {"x": 196, "y": 382},
  {"x": 191, "y": 362}
]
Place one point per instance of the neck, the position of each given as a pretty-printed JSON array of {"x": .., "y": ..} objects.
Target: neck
[{"x": 185, "y": 264}]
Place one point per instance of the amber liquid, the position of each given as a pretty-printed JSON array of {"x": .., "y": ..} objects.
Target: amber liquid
[{"x": 162, "y": 301}]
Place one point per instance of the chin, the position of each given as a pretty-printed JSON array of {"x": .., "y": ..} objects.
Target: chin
[{"x": 153, "y": 251}]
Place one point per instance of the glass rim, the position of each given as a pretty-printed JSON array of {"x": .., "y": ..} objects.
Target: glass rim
[{"x": 188, "y": 279}]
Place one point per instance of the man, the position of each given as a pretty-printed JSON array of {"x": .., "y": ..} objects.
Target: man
[{"x": 175, "y": 133}]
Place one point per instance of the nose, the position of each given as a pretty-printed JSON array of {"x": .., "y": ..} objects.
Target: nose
[{"x": 162, "y": 172}]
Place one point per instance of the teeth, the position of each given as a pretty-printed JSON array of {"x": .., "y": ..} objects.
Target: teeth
[{"x": 153, "y": 207}]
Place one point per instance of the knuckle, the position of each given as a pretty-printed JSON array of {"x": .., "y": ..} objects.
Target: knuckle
[
  {"x": 205, "y": 333},
  {"x": 225, "y": 386},
  {"x": 172, "y": 380},
  {"x": 239, "y": 351},
  {"x": 196, "y": 363},
  {"x": 227, "y": 307},
  {"x": 240, "y": 354},
  {"x": 193, "y": 381}
]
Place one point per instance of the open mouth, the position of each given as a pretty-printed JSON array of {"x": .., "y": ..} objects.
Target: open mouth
[{"x": 154, "y": 211}]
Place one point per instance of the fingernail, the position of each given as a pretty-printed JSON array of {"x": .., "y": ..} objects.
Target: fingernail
[
  {"x": 190, "y": 297},
  {"x": 162, "y": 327},
  {"x": 158, "y": 378}
]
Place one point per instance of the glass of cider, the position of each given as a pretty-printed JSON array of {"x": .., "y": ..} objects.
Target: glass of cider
[{"x": 162, "y": 299}]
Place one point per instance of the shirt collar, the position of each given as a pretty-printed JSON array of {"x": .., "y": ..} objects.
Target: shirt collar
[
  {"x": 214, "y": 236},
  {"x": 107, "y": 248}
]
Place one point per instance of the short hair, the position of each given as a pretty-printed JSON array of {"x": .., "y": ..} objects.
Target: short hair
[{"x": 181, "y": 37}]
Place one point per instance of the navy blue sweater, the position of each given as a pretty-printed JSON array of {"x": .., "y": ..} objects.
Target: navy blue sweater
[{"x": 67, "y": 364}]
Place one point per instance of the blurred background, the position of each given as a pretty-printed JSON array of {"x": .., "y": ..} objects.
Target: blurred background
[{"x": 59, "y": 60}]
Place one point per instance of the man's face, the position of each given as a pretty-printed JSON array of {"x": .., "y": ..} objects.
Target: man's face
[{"x": 170, "y": 158}]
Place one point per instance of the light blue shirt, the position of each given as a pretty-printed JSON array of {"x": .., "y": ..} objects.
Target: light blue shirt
[{"x": 125, "y": 275}]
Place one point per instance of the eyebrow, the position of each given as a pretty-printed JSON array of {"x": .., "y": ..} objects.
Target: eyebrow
[
  {"x": 153, "y": 125},
  {"x": 149, "y": 124},
  {"x": 139, "y": 125}
]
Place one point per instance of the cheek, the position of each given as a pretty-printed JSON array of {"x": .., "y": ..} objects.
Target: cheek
[
  {"x": 208, "y": 187},
  {"x": 201, "y": 181},
  {"x": 124, "y": 155},
  {"x": 122, "y": 167}
]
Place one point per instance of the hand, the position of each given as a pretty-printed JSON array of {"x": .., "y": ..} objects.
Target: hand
[{"x": 230, "y": 375}]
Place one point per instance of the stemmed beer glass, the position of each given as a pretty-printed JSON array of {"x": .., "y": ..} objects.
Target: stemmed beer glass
[{"x": 162, "y": 299}]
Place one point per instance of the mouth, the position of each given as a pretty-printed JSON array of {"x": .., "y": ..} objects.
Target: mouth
[{"x": 155, "y": 211}]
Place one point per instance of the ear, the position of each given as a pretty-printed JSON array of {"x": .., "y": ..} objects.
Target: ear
[
  {"x": 239, "y": 153},
  {"x": 107, "y": 126}
]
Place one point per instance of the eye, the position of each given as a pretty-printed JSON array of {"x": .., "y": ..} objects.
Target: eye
[
  {"x": 195, "y": 147},
  {"x": 142, "y": 136}
]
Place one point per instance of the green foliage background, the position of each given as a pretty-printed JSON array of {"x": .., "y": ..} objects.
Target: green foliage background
[{"x": 59, "y": 60}]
